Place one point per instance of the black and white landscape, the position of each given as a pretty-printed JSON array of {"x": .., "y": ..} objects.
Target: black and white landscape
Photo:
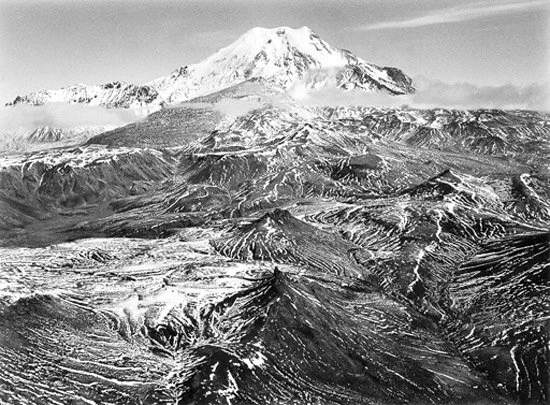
[{"x": 237, "y": 244}]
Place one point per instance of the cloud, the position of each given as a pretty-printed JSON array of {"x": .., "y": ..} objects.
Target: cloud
[
  {"x": 466, "y": 95},
  {"x": 437, "y": 94},
  {"x": 24, "y": 117},
  {"x": 457, "y": 14},
  {"x": 338, "y": 97}
]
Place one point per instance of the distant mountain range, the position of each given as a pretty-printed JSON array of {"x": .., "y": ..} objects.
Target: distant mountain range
[{"x": 280, "y": 57}]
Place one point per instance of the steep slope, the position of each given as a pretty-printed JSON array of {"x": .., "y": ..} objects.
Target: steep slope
[{"x": 282, "y": 56}]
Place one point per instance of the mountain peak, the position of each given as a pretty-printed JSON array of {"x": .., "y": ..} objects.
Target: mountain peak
[
  {"x": 279, "y": 30},
  {"x": 260, "y": 37},
  {"x": 281, "y": 57}
]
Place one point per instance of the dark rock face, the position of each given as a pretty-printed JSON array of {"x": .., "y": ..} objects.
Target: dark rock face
[
  {"x": 400, "y": 78},
  {"x": 289, "y": 255}
]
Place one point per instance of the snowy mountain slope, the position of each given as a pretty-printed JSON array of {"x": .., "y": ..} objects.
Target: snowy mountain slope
[{"x": 283, "y": 57}]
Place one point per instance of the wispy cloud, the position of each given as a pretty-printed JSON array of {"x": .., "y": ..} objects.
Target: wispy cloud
[
  {"x": 25, "y": 117},
  {"x": 434, "y": 93},
  {"x": 456, "y": 14},
  {"x": 437, "y": 94}
]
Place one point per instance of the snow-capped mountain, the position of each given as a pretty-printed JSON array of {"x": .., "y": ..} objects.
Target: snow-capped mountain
[{"x": 281, "y": 57}]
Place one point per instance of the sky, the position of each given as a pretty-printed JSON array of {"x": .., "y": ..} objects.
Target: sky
[{"x": 500, "y": 48}]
